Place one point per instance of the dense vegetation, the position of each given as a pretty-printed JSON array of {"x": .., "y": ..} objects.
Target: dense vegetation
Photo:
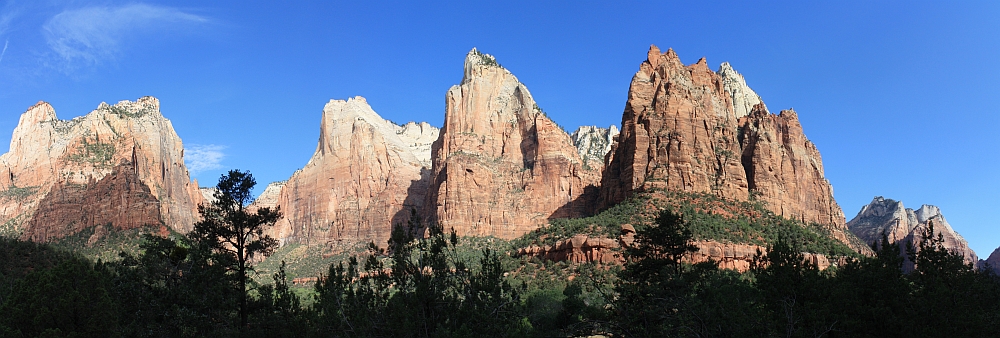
[{"x": 447, "y": 286}]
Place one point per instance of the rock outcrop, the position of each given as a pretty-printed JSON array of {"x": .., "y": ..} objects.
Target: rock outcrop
[
  {"x": 593, "y": 143},
  {"x": 585, "y": 249},
  {"x": 687, "y": 128},
  {"x": 419, "y": 137},
  {"x": 903, "y": 225},
  {"x": 500, "y": 166},
  {"x": 992, "y": 262},
  {"x": 363, "y": 178},
  {"x": 121, "y": 165},
  {"x": 269, "y": 198}
]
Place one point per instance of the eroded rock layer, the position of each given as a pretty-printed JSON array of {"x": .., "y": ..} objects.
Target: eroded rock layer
[
  {"x": 362, "y": 179},
  {"x": 500, "y": 166},
  {"x": 130, "y": 140},
  {"x": 904, "y": 225},
  {"x": 687, "y": 128},
  {"x": 119, "y": 200}
]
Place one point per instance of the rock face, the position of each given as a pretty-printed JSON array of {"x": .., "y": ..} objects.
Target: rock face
[
  {"x": 584, "y": 249},
  {"x": 269, "y": 198},
  {"x": 362, "y": 179},
  {"x": 687, "y": 128},
  {"x": 593, "y": 143},
  {"x": 121, "y": 165},
  {"x": 500, "y": 166},
  {"x": 744, "y": 98},
  {"x": 992, "y": 263},
  {"x": 419, "y": 137},
  {"x": 902, "y": 225}
]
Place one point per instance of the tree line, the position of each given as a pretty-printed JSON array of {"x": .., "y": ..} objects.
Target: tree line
[{"x": 200, "y": 285}]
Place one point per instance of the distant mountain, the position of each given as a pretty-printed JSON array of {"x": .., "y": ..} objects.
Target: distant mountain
[
  {"x": 992, "y": 262},
  {"x": 902, "y": 225},
  {"x": 593, "y": 143},
  {"x": 120, "y": 166}
]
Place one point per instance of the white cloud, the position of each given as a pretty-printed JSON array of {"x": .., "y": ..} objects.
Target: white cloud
[
  {"x": 203, "y": 157},
  {"x": 92, "y": 34},
  {"x": 4, "y": 49}
]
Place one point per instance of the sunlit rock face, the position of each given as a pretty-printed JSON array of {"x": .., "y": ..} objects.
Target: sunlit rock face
[
  {"x": 593, "y": 143},
  {"x": 500, "y": 166},
  {"x": 365, "y": 176},
  {"x": 120, "y": 165},
  {"x": 687, "y": 128},
  {"x": 904, "y": 225}
]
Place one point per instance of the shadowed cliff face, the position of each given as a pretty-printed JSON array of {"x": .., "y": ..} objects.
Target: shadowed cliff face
[
  {"x": 71, "y": 161},
  {"x": 992, "y": 262},
  {"x": 902, "y": 225},
  {"x": 364, "y": 177},
  {"x": 500, "y": 166},
  {"x": 681, "y": 131}
]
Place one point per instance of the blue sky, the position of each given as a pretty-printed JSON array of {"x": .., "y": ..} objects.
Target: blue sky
[{"x": 900, "y": 97}]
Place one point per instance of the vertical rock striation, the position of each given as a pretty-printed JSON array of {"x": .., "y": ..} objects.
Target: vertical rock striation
[
  {"x": 687, "y": 128},
  {"x": 904, "y": 225},
  {"x": 362, "y": 179},
  {"x": 500, "y": 166},
  {"x": 57, "y": 169}
]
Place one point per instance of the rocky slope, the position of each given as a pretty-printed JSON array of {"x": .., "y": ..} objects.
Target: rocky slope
[
  {"x": 687, "y": 128},
  {"x": 500, "y": 166},
  {"x": 120, "y": 165},
  {"x": 902, "y": 225},
  {"x": 593, "y": 143},
  {"x": 364, "y": 177}
]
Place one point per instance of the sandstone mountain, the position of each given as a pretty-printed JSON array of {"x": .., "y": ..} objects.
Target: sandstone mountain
[
  {"x": 500, "y": 166},
  {"x": 992, "y": 262},
  {"x": 689, "y": 129},
  {"x": 121, "y": 165},
  {"x": 902, "y": 225},
  {"x": 593, "y": 143},
  {"x": 269, "y": 198},
  {"x": 364, "y": 177}
]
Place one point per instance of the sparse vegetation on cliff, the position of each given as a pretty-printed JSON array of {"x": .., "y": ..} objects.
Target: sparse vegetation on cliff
[
  {"x": 98, "y": 153},
  {"x": 18, "y": 193}
]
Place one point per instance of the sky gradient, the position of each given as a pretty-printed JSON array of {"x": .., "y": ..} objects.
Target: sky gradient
[{"x": 899, "y": 97}]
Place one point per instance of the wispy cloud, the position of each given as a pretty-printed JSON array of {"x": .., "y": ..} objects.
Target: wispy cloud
[
  {"x": 203, "y": 157},
  {"x": 4, "y": 49},
  {"x": 87, "y": 36}
]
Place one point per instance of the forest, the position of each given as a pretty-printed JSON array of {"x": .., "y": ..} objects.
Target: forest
[{"x": 442, "y": 285}]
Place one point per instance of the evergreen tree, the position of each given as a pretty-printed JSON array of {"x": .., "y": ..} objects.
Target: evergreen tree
[{"x": 234, "y": 233}]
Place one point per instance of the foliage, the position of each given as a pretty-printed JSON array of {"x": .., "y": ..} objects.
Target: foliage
[
  {"x": 447, "y": 286},
  {"x": 71, "y": 298},
  {"x": 606, "y": 223},
  {"x": 94, "y": 153},
  {"x": 712, "y": 217},
  {"x": 486, "y": 59},
  {"x": 420, "y": 290},
  {"x": 18, "y": 193},
  {"x": 234, "y": 234}
]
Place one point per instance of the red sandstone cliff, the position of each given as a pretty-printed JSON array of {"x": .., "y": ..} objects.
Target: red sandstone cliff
[
  {"x": 121, "y": 164},
  {"x": 500, "y": 166},
  {"x": 362, "y": 179},
  {"x": 681, "y": 131}
]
